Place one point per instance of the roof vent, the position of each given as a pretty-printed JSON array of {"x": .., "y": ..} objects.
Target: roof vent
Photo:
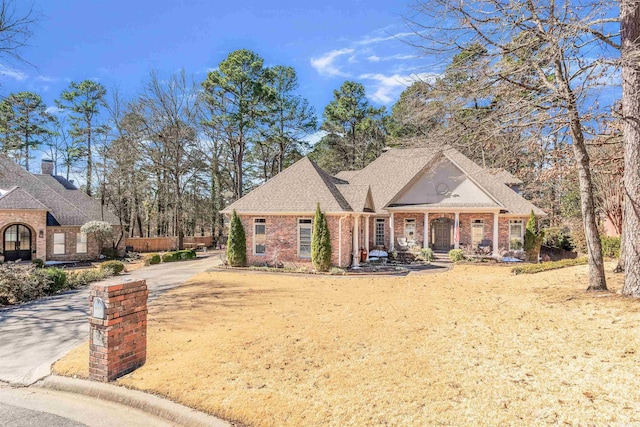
[
  {"x": 386, "y": 148},
  {"x": 46, "y": 167}
]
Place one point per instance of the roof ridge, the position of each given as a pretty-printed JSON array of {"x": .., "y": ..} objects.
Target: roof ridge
[
  {"x": 331, "y": 185},
  {"x": 66, "y": 199}
]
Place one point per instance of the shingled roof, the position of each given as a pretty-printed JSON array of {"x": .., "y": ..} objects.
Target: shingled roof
[
  {"x": 53, "y": 194},
  {"x": 301, "y": 186},
  {"x": 296, "y": 189}
]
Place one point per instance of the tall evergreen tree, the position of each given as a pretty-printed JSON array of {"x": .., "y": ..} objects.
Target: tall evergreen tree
[
  {"x": 83, "y": 101},
  {"x": 27, "y": 123},
  {"x": 320, "y": 242},
  {"x": 236, "y": 243}
]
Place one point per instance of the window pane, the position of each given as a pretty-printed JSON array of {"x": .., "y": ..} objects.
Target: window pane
[
  {"x": 379, "y": 233},
  {"x": 304, "y": 248},
  {"x": 81, "y": 243},
  {"x": 58, "y": 244},
  {"x": 477, "y": 234},
  {"x": 260, "y": 237}
]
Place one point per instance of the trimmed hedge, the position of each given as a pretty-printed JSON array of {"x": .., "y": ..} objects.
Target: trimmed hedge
[
  {"x": 57, "y": 278},
  {"x": 170, "y": 257},
  {"x": 116, "y": 266},
  {"x": 546, "y": 266},
  {"x": 155, "y": 259}
]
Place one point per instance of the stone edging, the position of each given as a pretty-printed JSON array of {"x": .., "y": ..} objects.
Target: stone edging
[{"x": 148, "y": 403}]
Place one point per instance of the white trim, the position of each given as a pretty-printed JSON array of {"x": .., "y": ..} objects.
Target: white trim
[
  {"x": 425, "y": 232},
  {"x": 356, "y": 241},
  {"x": 496, "y": 227},
  {"x": 456, "y": 231},
  {"x": 366, "y": 235},
  {"x": 391, "y": 233},
  {"x": 444, "y": 210}
]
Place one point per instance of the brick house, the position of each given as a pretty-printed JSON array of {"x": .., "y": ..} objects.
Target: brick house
[
  {"x": 405, "y": 199},
  {"x": 41, "y": 215}
]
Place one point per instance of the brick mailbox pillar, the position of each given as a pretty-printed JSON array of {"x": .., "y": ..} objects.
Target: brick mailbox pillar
[{"x": 118, "y": 329}]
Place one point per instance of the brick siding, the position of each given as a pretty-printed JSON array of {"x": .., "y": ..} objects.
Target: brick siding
[{"x": 35, "y": 220}]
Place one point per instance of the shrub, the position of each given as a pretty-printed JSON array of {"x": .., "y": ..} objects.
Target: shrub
[
  {"x": 58, "y": 280},
  {"x": 456, "y": 255},
  {"x": 20, "y": 283},
  {"x": 610, "y": 246},
  {"x": 335, "y": 271},
  {"x": 80, "y": 278},
  {"x": 155, "y": 259},
  {"x": 532, "y": 239},
  {"x": 170, "y": 257},
  {"x": 426, "y": 255},
  {"x": 558, "y": 237},
  {"x": 38, "y": 263},
  {"x": 320, "y": 242},
  {"x": 116, "y": 266},
  {"x": 554, "y": 265},
  {"x": 187, "y": 254},
  {"x": 237, "y": 243}
]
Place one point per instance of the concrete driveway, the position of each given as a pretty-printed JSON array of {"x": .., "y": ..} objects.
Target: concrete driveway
[{"x": 36, "y": 334}]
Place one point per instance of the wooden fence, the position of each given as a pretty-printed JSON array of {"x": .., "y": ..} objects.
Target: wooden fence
[{"x": 162, "y": 244}]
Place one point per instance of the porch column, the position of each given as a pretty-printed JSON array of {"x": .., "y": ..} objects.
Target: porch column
[
  {"x": 496, "y": 250},
  {"x": 391, "y": 237},
  {"x": 366, "y": 235},
  {"x": 356, "y": 240},
  {"x": 425, "y": 240},
  {"x": 456, "y": 231}
]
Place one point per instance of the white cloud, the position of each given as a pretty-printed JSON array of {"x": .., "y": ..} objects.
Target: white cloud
[
  {"x": 374, "y": 58},
  {"x": 53, "y": 110},
  {"x": 372, "y": 40},
  {"x": 13, "y": 74},
  {"x": 315, "y": 137},
  {"x": 46, "y": 79},
  {"x": 324, "y": 65},
  {"x": 388, "y": 88}
]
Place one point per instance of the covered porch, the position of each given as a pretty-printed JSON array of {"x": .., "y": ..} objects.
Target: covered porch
[{"x": 477, "y": 232}]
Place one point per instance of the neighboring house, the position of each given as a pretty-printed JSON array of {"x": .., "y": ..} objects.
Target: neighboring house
[
  {"x": 420, "y": 197},
  {"x": 41, "y": 216}
]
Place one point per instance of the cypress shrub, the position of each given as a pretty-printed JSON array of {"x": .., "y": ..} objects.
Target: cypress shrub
[
  {"x": 532, "y": 239},
  {"x": 236, "y": 243},
  {"x": 320, "y": 242}
]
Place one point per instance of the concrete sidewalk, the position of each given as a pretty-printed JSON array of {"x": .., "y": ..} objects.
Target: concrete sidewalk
[{"x": 36, "y": 334}]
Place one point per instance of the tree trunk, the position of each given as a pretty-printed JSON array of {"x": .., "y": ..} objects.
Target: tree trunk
[
  {"x": 89, "y": 161},
  {"x": 597, "y": 280},
  {"x": 620, "y": 266},
  {"x": 630, "y": 34}
]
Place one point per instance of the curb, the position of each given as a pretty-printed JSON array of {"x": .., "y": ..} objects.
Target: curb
[{"x": 148, "y": 403}]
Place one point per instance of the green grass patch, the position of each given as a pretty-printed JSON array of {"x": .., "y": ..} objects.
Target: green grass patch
[{"x": 546, "y": 266}]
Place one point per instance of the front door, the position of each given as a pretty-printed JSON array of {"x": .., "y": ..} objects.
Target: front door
[
  {"x": 442, "y": 235},
  {"x": 17, "y": 243}
]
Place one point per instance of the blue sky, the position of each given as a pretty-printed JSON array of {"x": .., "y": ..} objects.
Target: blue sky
[{"x": 119, "y": 42}]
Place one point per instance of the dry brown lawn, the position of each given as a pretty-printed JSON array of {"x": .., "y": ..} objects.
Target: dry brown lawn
[{"x": 472, "y": 346}]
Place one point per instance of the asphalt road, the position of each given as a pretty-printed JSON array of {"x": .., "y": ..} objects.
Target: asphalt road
[
  {"x": 33, "y": 406},
  {"x": 36, "y": 334}
]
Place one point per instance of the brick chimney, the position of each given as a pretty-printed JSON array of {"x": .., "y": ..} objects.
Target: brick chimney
[{"x": 46, "y": 167}]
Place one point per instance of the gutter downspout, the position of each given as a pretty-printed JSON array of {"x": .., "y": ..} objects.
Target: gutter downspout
[{"x": 340, "y": 240}]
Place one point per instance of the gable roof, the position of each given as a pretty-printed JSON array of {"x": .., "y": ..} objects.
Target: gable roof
[
  {"x": 66, "y": 206},
  {"x": 17, "y": 198},
  {"x": 296, "y": 189},
  {"x": 302, "y": 185}
]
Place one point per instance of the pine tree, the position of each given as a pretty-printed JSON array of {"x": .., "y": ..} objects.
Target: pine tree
[
  {"x": 532, "y": 239},
  {"x": 236, "y": 243},
  {"x": 320, "y": 242}
]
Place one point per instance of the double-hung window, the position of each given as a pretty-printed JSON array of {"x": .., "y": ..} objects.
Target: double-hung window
[
  {"x": 305, "y": 228},
  {"x": 58, "y": 244},
  {"x": 259, "y": 236},
  {"x": 81, "y": 243},
  {"x": 515, "y": 234},
  {"x": 477, "y": 232},
  {"x": 379, "y": 233}
]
